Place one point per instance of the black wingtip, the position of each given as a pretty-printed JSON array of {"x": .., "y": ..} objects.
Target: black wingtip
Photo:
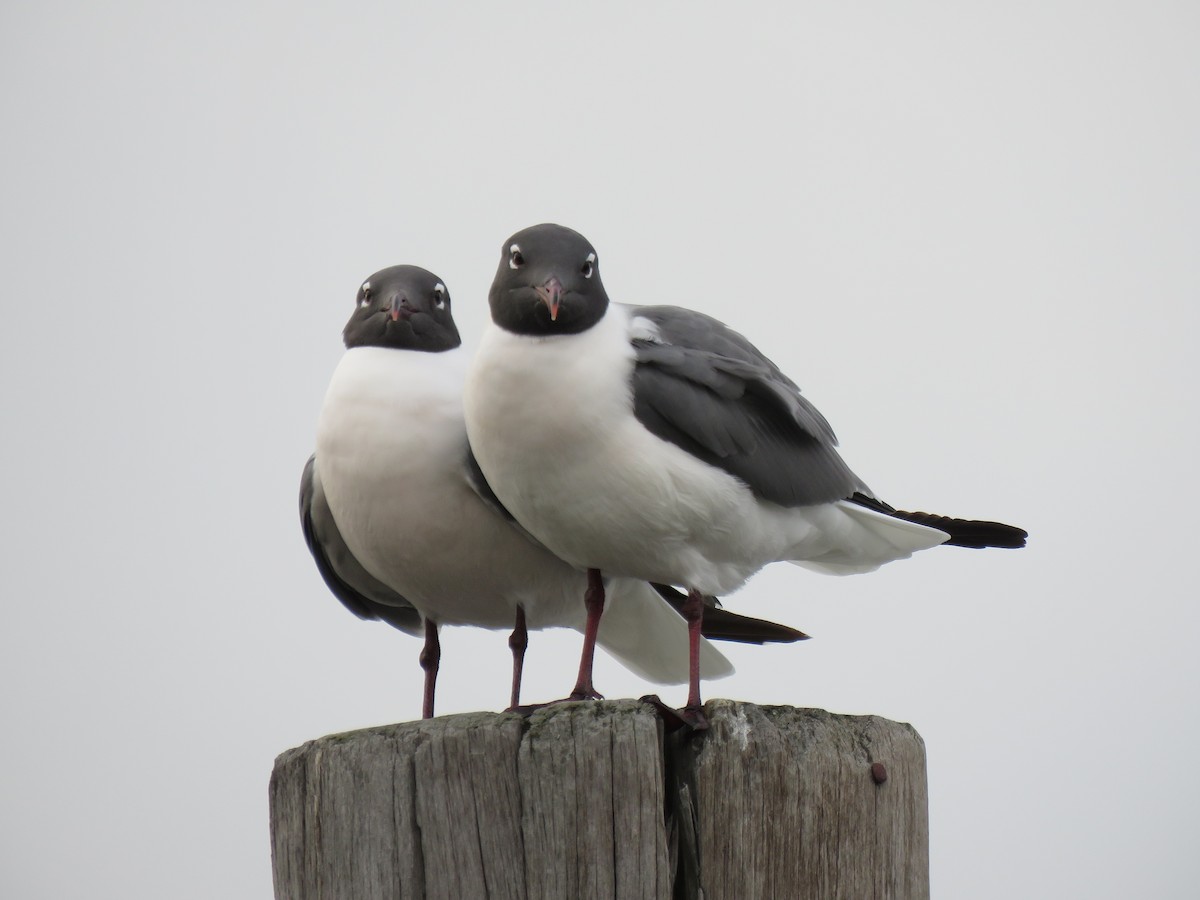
[
  {"x": 722, "y": 625},
  {"x": 974, "y": 533}
]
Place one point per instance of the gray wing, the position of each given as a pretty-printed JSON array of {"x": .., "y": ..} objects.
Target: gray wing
[
  {"x": 479, "y": 484},
  {"x": 359, "y": 591},
  {"x": 702, "y": 386}
]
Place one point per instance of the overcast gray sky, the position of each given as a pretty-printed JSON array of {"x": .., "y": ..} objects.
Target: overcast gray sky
[{"x": 969, "y": 233}]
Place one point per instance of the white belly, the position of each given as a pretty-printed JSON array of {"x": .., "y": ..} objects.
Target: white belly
[{"x": 390, "y": 446}]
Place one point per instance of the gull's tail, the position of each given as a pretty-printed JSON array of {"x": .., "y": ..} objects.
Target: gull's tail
[{"x": 963, "y": 532}]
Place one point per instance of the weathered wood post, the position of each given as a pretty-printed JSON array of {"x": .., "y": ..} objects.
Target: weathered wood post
[{"x": 593, "y": 800}]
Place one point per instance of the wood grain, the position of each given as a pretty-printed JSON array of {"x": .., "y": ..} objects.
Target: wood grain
[
  {"x": 789, "y": 808},
  {"x": 592, "y": 800}
]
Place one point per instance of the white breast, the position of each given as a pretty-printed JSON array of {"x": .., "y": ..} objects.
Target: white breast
[
  {"x": 390, "y": 447},
  {"x": 391, "y": 444},
  {"x": 551, "y": 422}
]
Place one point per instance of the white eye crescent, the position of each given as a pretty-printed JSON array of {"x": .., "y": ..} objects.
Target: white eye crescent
[
  {"x": 589, "y": 265},
  {"x": 439, "y": 295},
  {"x": 366, "y": 293},
  {"x": 515, "y": 259}
]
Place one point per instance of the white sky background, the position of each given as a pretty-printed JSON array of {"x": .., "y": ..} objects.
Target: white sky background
[{"x": 971, "y": 236}]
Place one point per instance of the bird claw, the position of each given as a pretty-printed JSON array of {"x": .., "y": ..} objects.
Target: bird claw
[
  {"x": 589, "y": 694},
  {"x": 694, "y": 718},
  {"x": 528, "y": 709},
  {"x": 691, "y": 718}
]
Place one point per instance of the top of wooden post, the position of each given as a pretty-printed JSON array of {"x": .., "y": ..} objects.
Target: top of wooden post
[{"x": 596, "y": 800}]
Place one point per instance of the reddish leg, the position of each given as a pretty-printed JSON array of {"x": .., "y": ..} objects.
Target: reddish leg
[
  {"x": 431, "y": 656},
  {"x": 693, "y": 612},
  {"x": 593, "y": 600},
  {"x": 518, "y": 641}
]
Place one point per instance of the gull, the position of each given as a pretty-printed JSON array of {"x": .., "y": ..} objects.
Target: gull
[{"x": 656, "y": 443}]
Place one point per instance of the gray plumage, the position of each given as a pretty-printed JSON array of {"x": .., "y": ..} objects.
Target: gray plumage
[
  {"x": 359, "y": 591},
  {"x": 704, "y": 387}
]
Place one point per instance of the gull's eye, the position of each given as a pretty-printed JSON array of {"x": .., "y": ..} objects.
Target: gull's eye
[
  {"x": 515, "y": 259},
  {"x": 589, "y": 265},
  {"x": 366, "y": 294},
  {"x": 439, "y": 295}
]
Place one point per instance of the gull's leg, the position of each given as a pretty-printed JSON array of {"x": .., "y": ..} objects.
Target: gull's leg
[
  {"x": 431, "y": 656},
  {"x": 593, "y": 600},
  {"x": 693, "y": 613},
  {"x": 518, "y": 641}
]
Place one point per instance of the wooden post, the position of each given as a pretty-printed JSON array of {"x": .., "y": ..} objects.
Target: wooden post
[{"x": 591, "y": 800}]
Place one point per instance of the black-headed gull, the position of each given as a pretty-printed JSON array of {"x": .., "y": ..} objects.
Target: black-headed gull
[{"x": 656, "y": 443}]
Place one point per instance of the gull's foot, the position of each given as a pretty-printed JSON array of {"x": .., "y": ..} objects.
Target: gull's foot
[
  {"x": 528, "y": 709},
  {"x": 690, "y": 718},
  {"x": 589, "y": 694},
  {"x": 694, "y": 717}
]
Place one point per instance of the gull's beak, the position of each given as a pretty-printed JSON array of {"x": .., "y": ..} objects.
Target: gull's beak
[{"x": 551, "y": 293}]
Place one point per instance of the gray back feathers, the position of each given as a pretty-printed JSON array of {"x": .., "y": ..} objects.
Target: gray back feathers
[{"x": 704, "y": 387}]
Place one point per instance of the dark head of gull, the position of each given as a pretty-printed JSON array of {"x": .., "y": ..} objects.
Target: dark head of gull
[
  {"x": 547, "y": 283},
  {"x": 403, "y": 308}
]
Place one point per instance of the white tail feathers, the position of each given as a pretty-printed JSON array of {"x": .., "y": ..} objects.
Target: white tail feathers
[
  {"x": 649, "y": 638},
  {"x": 870, "y": 540}
]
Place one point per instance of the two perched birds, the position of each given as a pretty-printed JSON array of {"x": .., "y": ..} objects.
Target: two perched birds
[{"x": 590, "y": 458}]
